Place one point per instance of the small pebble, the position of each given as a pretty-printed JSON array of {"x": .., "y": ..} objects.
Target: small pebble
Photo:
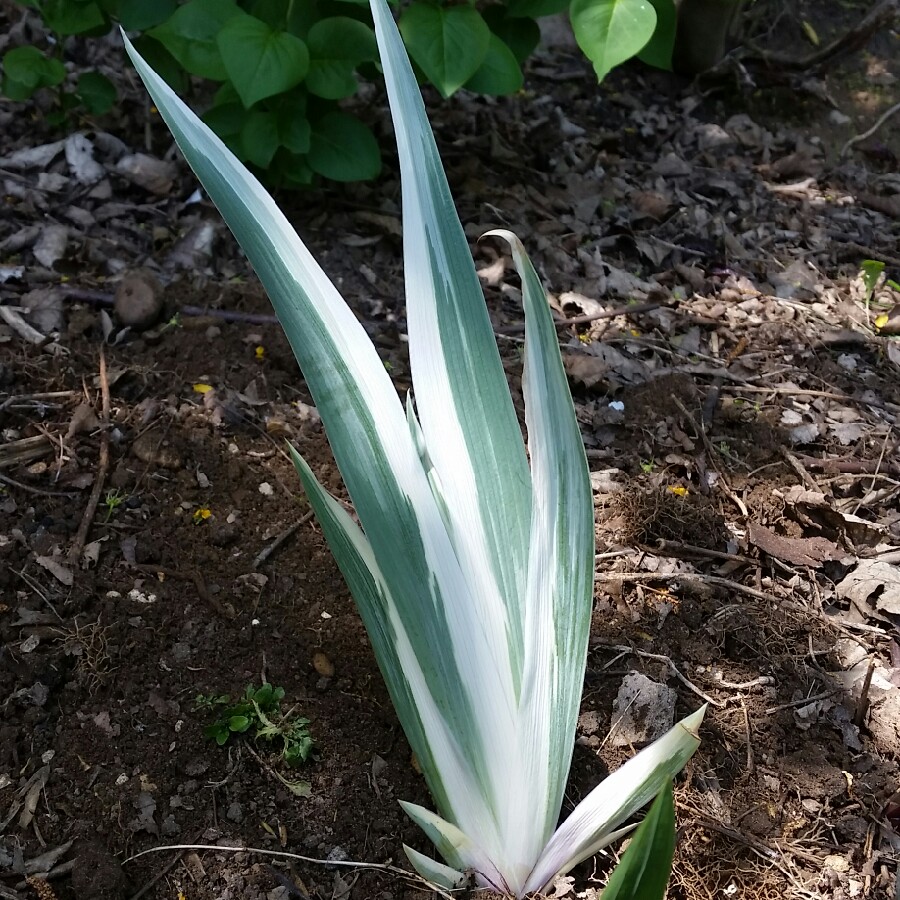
[
  {"x": 235, "y": 812},
  {"x": 322, "y": 664},
  {"x": 138, "y": 301},
  {"x": 223, "y": 535},
  {"x": 196, "y": 767}
]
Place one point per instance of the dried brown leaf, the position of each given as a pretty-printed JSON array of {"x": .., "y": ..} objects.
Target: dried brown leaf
[
  {"x": 872, "y": 585},
  {"x": 811, "y": 551}
]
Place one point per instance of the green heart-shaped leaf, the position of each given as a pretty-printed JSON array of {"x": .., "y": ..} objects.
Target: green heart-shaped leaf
[
  {"x": 611, "y": 31},
  {"x": 337, "y": 45},
  {"x": 190, "y": 36},
  {"x": 259, "y": 60},
  {"x": 343, "y": 149},
  {"x": 447, "y": 43}
]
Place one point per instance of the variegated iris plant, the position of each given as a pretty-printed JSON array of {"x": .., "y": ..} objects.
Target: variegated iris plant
[{"x": 472, "y": 569}]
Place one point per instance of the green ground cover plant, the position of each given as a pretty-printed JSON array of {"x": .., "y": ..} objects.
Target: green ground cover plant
[
  {"x": 279, "y": 69},
  {"x": 258, "y": 712}
]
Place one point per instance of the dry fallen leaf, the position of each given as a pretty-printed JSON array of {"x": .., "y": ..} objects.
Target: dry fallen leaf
[
  {"x": 587, "y": 370},
  {"x": 872, "y": 583},
  {"x": 154, "y": 175},
  {"x": 84, "y": 419},
  {"x": 811, "y": 551},
  {"x": 80, "y": 157},
  {"x": 813, "y": 508},
  {"x": 51, "y": 245},
  {"x": 60, "y": 572},
  {"x": 889, "y": 204},
  {"x": 846, "y": 433},
  {"x": 893, "y": 352},
  {"x": 651, "y": 204}
]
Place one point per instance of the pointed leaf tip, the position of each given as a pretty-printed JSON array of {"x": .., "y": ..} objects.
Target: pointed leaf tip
[{"x": 433, "y": 871}]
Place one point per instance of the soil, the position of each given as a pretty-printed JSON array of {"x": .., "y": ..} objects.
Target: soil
[{"x": 741, "y": 435}]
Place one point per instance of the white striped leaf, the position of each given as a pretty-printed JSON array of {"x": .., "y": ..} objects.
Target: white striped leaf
[
  {"x": 462, "y": 396},
  {"x": 434, "y": 871},
  {"x": 618, "y": 796},
  {"x": 451, "y": 653},
  {"x": 559, "y": 579}
]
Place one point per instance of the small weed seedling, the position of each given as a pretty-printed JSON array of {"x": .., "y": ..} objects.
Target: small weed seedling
[
  {"x": 258, "y": 709},
  {"x": 112, "y": 501},
  {"x": 870, "y": 270}
]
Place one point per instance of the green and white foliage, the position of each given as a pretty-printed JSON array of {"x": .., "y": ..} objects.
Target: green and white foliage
[{"x": 472, "y": 560}]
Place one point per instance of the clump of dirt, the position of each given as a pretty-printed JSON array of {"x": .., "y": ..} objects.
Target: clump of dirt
[
  {"x": 647, "y": 513},
  {"x": 658, "y": 399}
]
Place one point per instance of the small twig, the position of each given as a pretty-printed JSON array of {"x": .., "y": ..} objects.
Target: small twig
[
  {"x": 22, "y": 450},
  {"x": 613, "y": 554},
  {"x": 37, "y": 589},
  {"x": 40, "y": 395},
  {"x": 868, "y": 866},
  {"x": 159, "y": 875},
  {"x": 619, "y": 648},
  {"x": 680, "y": 247},
  {"x": 755, "y": 844},
  {"x": 33, "y": 490},
  {"x": 708, "y": 412},
  {"x": 802, "y": 702},
  {"x": 104, "y": 298},
  {"x": 194, "y": 577},
  {"x": 762, "y": 681},
  {"x": 695, "y": 578},
  {"x": 845, "y": 627},
  {"x": 877, "y": 18},
  {"x": 862, "y": 705},
  {"x": 679, "y": 547},
  {"x": 715, "y": 459},
  {"x": 751, "y": 763},
  {"x": 283, "y": 854},
  {"x": 266, "y": 552},
  {"x": 102, "y": 466},
  {"x": 59, "y": 871},
  {"x": 271, "y": 770},
  {"x": 800, "y": 469},
  {"x": 870, "y": 131},
  {"x": 746, "y": 387},
  {"x": 227, "y": 315},
  {"x": 25, "y": 331},
  {"x": 617, "y": 724},
  {"x": 585, "y": 320},
  {"x": 875, "y": 474},
  {"x": 851, "y": 466}
]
